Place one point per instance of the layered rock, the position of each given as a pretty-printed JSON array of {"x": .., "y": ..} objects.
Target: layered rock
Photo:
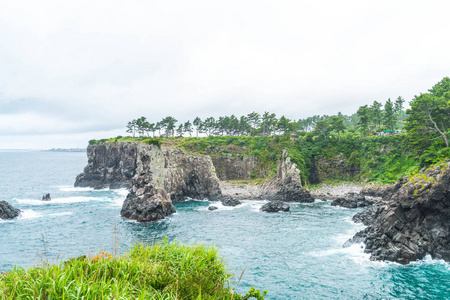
[
  {"x": 155, "y": 176},
  {"x": 182, "y": 175},
  {"x": 110, "y": 165},
  {"x": 286, "y": 185},
  {"x": 7, "y": 211},
  {"x": 414, "y": 221},
  {"x": 275, "y": 206}
]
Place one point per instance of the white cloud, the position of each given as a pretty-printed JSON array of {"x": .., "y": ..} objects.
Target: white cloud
[{"x": 77, "y": 66}]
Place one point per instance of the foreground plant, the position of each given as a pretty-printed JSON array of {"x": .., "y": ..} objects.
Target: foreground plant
[{"x": 162, "y": 271}]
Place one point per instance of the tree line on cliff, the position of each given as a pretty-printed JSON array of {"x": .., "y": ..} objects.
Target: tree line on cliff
[{"x": 427, "y": 119}]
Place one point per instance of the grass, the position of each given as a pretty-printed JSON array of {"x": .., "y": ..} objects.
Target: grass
[{"x": 161, "y": 271}]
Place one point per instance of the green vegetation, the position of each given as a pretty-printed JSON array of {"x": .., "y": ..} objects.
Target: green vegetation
[
  {"x": 373, "y": 141},
  {"x": 162, "y": 271}
]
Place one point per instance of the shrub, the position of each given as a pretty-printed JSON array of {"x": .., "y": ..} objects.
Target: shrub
[{"x": 162, "y": 271}]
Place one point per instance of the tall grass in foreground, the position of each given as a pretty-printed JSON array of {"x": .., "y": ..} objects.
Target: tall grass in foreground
[{"x": 162, "y": 271}]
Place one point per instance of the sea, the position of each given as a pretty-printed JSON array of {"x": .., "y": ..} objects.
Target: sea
[{"x": 292, "y": 255}]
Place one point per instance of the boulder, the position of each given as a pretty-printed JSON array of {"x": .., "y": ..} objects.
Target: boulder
[
  {"x": 352, "y": 200},
  {"x": 7, "y": 211},
  {"x": 212, "y": 207},
  {"x": 146, "y": 207},
  {"x": 275, "y": 206},
  {"x": 229, "y": 201},
  {"x": 145, "y": 202},
  {"x": 46, "y": 197}
]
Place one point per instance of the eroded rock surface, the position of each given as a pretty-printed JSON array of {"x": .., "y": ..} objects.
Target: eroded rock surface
[
  {"x": 7, "y": 211},
  {"x": 286, "y": 185},
  {"x": 414, "y": 221}
]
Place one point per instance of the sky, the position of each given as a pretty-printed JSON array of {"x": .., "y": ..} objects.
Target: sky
[{"x": 71, "y": 71}]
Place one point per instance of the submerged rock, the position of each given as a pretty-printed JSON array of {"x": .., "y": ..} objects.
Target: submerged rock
[
  {"x": 7, "y": 211},
  {"x": 212, "y": 207},
  {"x": 46, "y": 197},
  {"x": 352, "y": 200},
  {"x": 275, "y": 206},
  {"x": 414, "y": 221}
]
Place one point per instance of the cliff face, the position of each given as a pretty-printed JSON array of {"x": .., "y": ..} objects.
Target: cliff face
[
  {"x": 287, "y": 184},
  {"x": 414, "y": 220},
  {"x": 109, "y": 166},
  {"x": 179, "y": 173}
]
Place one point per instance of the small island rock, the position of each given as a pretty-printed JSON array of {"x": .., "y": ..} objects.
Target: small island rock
[
  {"x": 212, "y": 207},
  {"x": 228, "y": 201},
  {"x": 275, "y": 206},
  {"x": 7, "y": 211},
  {"x": 46, "y": 197}
]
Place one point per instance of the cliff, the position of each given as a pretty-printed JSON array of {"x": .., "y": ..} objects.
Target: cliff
[
  {"x": 413, "y": 221},
  {"x": 179, "y": 173}
]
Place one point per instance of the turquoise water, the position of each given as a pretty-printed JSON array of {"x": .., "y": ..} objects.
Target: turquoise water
[{"x": 295, "y": 255}]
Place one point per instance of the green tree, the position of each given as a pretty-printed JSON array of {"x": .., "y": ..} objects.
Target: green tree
[
  {"x": 322, "y": 128},
  {"x": 429, "y": 115},
  {"x": 180, "y": 130},
  {"x": 131, "y": 127},
  {"x": 209, "y": 125},
  {"x": 364, "y": 117},
  {"x": 337, "y": 124},
  {"x": 283, "y": 125},
  {"x": 198, "y": 125},
  {"x": 376, "y": 113},
  {"x": 187, "y": 127},
  {"x": 389, "y": 115}
]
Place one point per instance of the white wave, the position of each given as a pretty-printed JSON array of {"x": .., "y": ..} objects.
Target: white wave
[
  {"x": 29, "y": 214},
  {"x": 121, "y": 192},
  {"x": 76, "y": 189},
  {"x": 60, "y": 200},
  {"x": 255, "y": 205}
]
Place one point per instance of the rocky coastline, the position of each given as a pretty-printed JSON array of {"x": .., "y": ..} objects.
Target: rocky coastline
[{"x": 157, "y": 176}]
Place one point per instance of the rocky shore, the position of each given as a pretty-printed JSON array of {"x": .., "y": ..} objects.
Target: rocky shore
[
  {"x": 158, "y": 176},
  {"x": 413, "y": 221}
]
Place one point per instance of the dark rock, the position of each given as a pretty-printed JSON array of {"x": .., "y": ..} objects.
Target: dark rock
[
  {"x": 352, "y": 200},
  {"x": 7, "y": 211},
  {"x": 212, "y": 207},
  {"x": 275, "y": 206},
  {"x": 46, "y": 197},
  {"x": 228, "y": 201},
  {"x": 147, "y": 205},
  {"x": 414, "y": 221},
  {"x": 183, "y": 175}
]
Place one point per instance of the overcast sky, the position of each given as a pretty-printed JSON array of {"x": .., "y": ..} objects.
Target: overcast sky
[{"x": 71, "y": 71}]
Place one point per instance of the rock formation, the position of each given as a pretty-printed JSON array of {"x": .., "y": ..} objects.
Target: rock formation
[
  {"x": 228, "y": 201},
  {"x": 212, "y": 207},
  {"x": 275, "y": 206},
  {"x": 352, "y": 200},
  {"x": 414, "y": 221},
  {"x": 7, "y": 211},
  {"x": 181, "y": 174},
  {"x": 287, "y": 184},
  {"x": 46, "y": 197},
  {"x": 155, "y": 175}
]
